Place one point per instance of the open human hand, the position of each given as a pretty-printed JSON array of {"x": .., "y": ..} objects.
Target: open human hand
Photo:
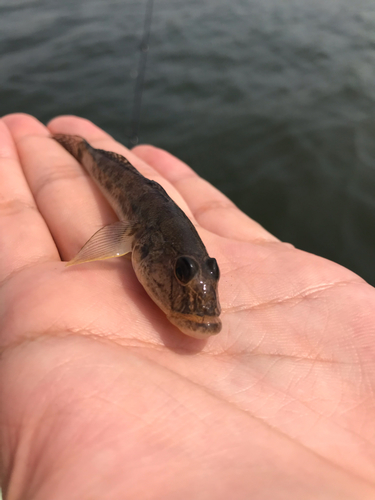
[{"x": 101, "y": 397}]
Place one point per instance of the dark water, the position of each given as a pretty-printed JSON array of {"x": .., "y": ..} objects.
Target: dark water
[{"x": 273, "y": 102}]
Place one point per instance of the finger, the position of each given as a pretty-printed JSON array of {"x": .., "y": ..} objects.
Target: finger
[
  {"x": 101, "y": 140},
  {"x": 24, "y": 236},
  {"x": 211, "y": 208},
  {"x": 70, "y": 203}
]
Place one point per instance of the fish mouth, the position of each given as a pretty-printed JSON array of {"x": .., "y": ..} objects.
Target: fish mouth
[{"x": 199, "y": 327}]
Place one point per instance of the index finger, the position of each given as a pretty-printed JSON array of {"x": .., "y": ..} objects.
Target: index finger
[{"x": 210, "y": 207}]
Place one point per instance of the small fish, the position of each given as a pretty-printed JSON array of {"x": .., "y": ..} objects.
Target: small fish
[{"x": 168, "y": 256}]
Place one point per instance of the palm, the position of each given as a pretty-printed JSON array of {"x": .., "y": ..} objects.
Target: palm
[{"x": 280, "y": 401}]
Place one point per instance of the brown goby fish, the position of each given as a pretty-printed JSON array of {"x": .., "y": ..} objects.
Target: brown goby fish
[{"x": 168, "y": 256}]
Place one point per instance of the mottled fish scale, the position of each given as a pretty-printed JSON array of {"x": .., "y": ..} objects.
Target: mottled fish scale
[{"x": 168, "y": 256}]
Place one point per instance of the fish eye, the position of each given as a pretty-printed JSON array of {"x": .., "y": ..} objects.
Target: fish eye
[
  {"x": 185, "y": 269},
  {"x": 213, "y": 268}
]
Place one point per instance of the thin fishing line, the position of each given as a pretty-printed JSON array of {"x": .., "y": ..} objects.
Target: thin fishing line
[{"x": 139, "y": 83}]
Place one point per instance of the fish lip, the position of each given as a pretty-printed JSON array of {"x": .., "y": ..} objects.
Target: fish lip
[{"x": 199, "y": 327}]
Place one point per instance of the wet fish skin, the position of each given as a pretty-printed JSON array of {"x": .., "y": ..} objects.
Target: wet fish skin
[{"x": 166, "y": 248}]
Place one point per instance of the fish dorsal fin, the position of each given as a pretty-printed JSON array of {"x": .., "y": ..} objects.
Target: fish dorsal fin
[
  {"x": 109, "y": 242},
  {"x": 117, "y": 158}
]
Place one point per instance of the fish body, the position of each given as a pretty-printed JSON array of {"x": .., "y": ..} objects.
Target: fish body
[{"x": 168, "y": 256}]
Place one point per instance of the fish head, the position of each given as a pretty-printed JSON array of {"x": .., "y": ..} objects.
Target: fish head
[
  {"x": 184, "y": 287},
  {"x": 195, "y": 307}
]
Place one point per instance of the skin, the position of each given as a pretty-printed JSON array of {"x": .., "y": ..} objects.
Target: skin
[{"x": 101, "y": 397}]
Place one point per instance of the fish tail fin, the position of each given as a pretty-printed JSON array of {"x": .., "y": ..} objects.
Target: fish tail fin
[{"x": 74, "y": 144}]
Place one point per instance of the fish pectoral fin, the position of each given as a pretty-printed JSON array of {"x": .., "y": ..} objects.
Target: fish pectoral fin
[{"x": 109, "y": 242}]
